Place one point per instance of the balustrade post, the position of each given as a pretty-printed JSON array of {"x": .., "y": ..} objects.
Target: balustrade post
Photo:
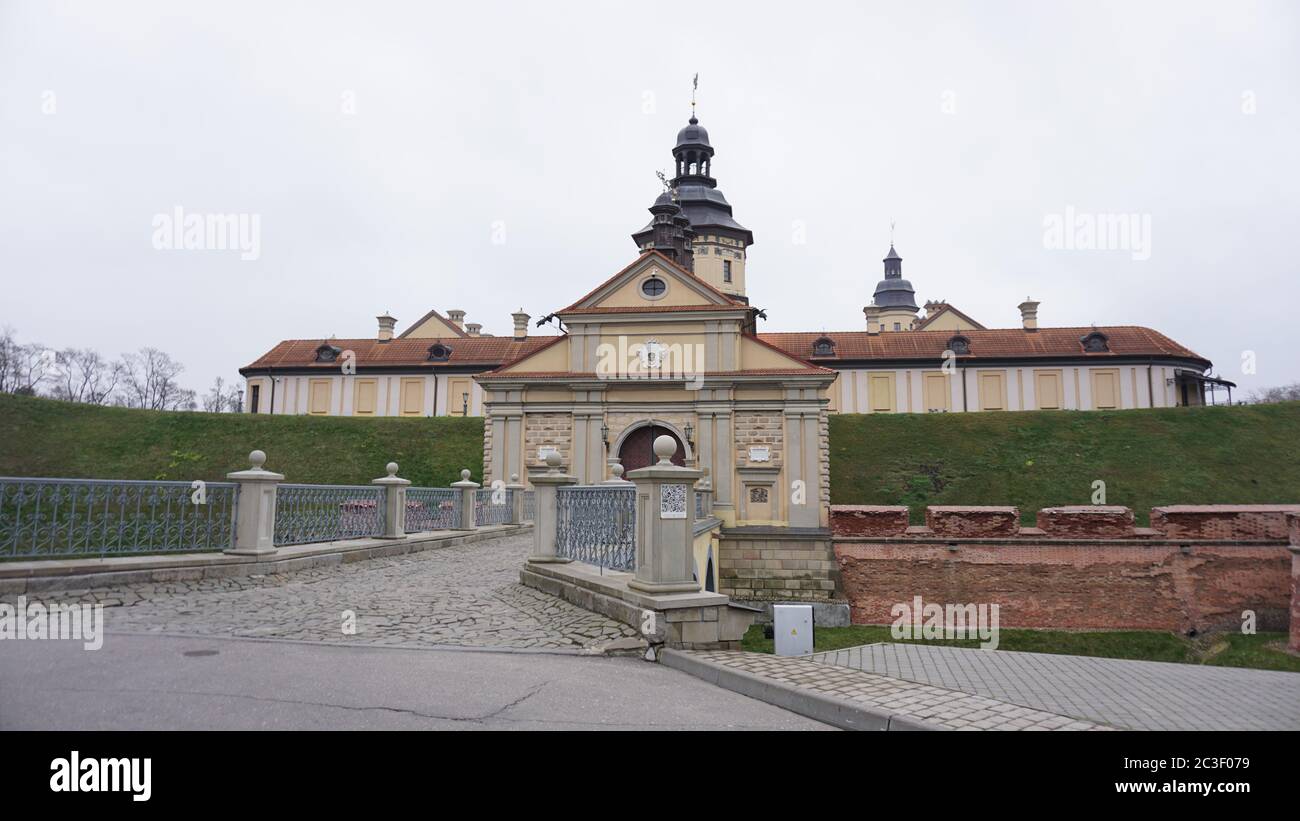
[
  {"x": 516, "y": 491},
  {"x": 665, "y": 524},
  {"x": 467, "y": 490},
  {"x": 255, "y": 508},
  {"x": 705, "y": 490},
  {"x": 394, "y": 503},
  {"x": 546, "y": 511}
]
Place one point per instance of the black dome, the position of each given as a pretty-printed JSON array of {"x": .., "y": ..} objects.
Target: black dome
[
  {"x": 895, "y": 293},
  {"x": 693, "y": 134}
]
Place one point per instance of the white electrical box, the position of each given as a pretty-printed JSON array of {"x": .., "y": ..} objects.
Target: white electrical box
[{"x": 792, "y": 629}]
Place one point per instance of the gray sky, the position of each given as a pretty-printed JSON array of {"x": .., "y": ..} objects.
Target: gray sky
[{"x": 379, "y": 143}]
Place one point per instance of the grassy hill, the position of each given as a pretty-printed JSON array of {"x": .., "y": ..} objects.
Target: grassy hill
[
  {"x": 42, "y": 437},
  {"x": 1242, "y": 454}
]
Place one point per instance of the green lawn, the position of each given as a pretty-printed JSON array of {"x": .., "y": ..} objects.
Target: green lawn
[
  {"x": 1264, "y": 651},
  {"x": 42, "y": 437},
  {"x": 1241, "y": 454}
]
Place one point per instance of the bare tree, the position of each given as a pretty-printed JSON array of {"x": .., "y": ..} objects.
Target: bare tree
[
  {"x": 30, "y": 367},
  {"x": 149, "y": 381},
  {"x": 222, "y": 398},
  {"x": 82, "y": 375},
  {"x": 1283, "y": 393},
  {"x": 8, "y": 359}
]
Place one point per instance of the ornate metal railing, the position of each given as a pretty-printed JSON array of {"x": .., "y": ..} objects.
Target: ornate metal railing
[
  {"x": 432, "y": 508},
  {"x": 596, "y": 524},
  {"x": 492, "y": 507},
  {"x": 529, "y": 512},
  {"x": 326, "y": 513},
  {"x": 42, "y": 518}
]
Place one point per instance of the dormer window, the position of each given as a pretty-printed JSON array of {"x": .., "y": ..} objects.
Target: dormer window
[
  {"x": 1095, "y": 342},
  {"x": 824, "y": 346},
  {"x": 959, "y": 345},
  {"x": 439, "y": 352},
  {"x": 327, "y": 353}
]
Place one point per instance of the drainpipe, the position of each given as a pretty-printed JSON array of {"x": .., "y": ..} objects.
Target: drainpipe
[
  {"x": 1151, "y": 391},
  {"x": 962, "y": 370}
]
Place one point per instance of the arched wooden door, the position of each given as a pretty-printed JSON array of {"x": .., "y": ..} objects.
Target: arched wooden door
[{"x": 637, "y": 450}]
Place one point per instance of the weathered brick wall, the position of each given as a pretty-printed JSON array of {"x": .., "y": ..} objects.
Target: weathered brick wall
[
  {"x": 1080, "y": 569},
  {"x": 759, "y": 428},
  {"x": 487, "y": 451},
  {"x": 548, "y": 429},
  {"x": 776, "y": 568}
]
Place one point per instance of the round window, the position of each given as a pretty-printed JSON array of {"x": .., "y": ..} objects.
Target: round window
[{"x": 654, "y": 287}]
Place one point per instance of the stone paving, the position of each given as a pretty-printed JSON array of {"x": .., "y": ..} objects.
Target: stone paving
[
  {"x": 466, "y": 595},
  {"x": 932, "y": 705},
  {"x": 1138, "y": 695}
]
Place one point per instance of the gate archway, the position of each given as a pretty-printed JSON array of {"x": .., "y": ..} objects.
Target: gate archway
[{"x": 636, "y": 450}]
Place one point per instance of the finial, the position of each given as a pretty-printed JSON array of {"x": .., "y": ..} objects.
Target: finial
[
  {"x": 514, "y": 478},
  {"x": 665, "y": 447},
  {"x": 464, "y": 475},
  {"x": 256, "y": 459},
  {"x": 695, "y": 85},
  {"x": 392, "y": 468},
  {"x": 617, "y": 470}
]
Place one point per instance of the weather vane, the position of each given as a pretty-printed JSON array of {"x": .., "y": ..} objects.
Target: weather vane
[
  {"x": 891, "y": 233},
  {"x": 695, "y": 86}
]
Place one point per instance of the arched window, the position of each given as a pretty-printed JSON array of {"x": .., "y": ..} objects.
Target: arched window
[
  {"x": 439, "y": 352},
  {"x": 1095, "y": 342},
  {"x": 824, "y": 346},
  {"x": 959, "y": 345},
  {"x": 327, "y": 353}
]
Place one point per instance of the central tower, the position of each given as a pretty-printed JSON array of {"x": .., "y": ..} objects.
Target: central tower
[{"x": 721, "y": 243}]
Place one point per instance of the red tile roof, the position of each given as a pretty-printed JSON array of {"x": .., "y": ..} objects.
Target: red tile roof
[
  {"x": 996, "y": 343},
  {"x": 487, "y": 351}
]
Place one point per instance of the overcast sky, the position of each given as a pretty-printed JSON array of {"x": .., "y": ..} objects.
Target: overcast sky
[{"x": 387, "y": 148}]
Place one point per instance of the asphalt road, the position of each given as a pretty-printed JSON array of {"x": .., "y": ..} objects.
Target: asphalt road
[{"x": 165, "y": 682}]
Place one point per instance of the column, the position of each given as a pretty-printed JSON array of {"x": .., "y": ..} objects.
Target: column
[
  {"x": 255, "y": 515},
  {"x": 665, "y": 524},
  {"x": 394, "y": 502},
  {"x": 546, "y": 517}
]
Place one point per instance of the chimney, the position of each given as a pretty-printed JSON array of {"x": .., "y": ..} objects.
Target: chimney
[
  {"x": 386, "y": 326},
  {"x": 457, "y": 318},
  {"x": 872, "y": 312},
  {"x": 1029, "y": 314},
  {"x": 521, "y": 324},
  {"x": 473, "y": 328}
]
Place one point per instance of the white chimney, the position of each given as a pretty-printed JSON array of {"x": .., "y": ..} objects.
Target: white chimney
[
  {"x": 386, "y": 326},
  {"x": 521, "y": 324},
  {"x": 1029, "y": 314},
  {"x": 473, "y": 328},
  {"x": 872, "y": 313},
  {"x": 457, "y": 318}
]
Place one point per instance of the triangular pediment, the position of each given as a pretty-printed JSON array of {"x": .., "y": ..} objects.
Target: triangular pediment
[{"x": 653, "y": 283}]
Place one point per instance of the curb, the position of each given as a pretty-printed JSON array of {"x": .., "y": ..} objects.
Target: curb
[{"x": 837, "y": 712}]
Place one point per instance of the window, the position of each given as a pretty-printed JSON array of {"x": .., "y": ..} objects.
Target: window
[
  {"x": 1105, "y": 389},
  {"x": 726, "y": 270},
  {"x": 898, "y": 326},
  {"x": 364, "y": 401},
  {"x": 1047, "y": 390},
  {"x": 880, "y": 392},
  {"x": 654, "y": 287},
  {"x": 959, "y": 345},
  {"x": 318, "y": 397},
  {"x": 439, "y": 352},
  {"x": 936, "y": 392},
  {"x": 412, "y": 397},
  {"x": 255, "y": 398},
  {"x": 717, "y": 250},
  {"x": 993, "y": 390},
  {"x": 327, "y": 353},
  {"x": 1095, "y": 342},
  {"x": 824, "y": 346}
]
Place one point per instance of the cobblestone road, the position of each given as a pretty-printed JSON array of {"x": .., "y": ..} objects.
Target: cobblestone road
[{"x": 467, "y": 595}]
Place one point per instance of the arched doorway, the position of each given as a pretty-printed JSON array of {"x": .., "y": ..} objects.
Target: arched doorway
[{"x": 637, "y": 450}]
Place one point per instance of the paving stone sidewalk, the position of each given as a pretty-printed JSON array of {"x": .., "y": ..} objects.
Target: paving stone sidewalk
[
  {"x": 938, "y": 707},
  {"x": 1138, "y": 695},
  {"x": 465, "y": 595}
]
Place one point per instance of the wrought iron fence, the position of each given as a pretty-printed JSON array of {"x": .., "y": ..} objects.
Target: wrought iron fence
[
  {"x": 596, "y": 524},
  {"x": 493, "y": 507},
  {"x": 326, "y": 513},
  {"x": 42, "y": 518},
  {"x": 432, "y": 508},
  {"x": 529, "y": 512}
]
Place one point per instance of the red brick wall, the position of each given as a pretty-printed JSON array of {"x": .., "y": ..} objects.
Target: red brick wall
[{"x": 1073, "y": 573}]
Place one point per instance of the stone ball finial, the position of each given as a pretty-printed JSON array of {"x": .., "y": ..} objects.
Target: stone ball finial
[
  {"x": 617, "y": 470},
  {"x": 514, "y": 478},
  {"x": 553, "y": 459},
  {"x": 392, "y": 468},
  {"x": 464, "y": 475},
  {"x": 665, "y": 448},
  {"x": 256, "y": 459}
]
